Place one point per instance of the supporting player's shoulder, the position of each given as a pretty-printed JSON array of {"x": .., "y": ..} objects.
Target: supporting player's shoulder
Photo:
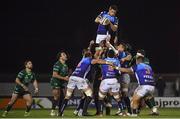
[{"x": 88, "y": 60}]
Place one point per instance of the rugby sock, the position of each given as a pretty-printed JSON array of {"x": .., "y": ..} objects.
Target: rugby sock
[
  {"x": 107, "y": 100},
  {"x": 28, "y": 108},
  {"x": 121, "y": 105},
  {"x": 128, "y": 104},
  {"x": 9, "y": 107},
  {"x": 150, "y": 103},
  {"x": 108, "y": 110},
  {"x": 81, "y": 103},
  {"x": 64, "y": 104},
  {"x": 96, "y": 101},
  {"x": 100, "y": 106},
  {"x": 134, "y": 111},
  {"x": 61, "y": 98},
  {"x": 139, "y": 107},
  {"x": 86, "y": 103},
  {"x": 54, "y": 103}
]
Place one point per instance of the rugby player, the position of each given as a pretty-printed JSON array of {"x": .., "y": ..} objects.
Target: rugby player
[
  {"x": 108, "y": 23},
  {"x": 124, "y": 57},
  {"x": 59, "y": 80},
  {"x": 109, "y": 83},
  {"x": 144, "y": 75},
  {"x": 78, "y": 79},
  {"x": 23, "y": 79}
]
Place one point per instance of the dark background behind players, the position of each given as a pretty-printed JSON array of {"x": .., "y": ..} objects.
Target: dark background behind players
[{"x": 39, "y": 29}]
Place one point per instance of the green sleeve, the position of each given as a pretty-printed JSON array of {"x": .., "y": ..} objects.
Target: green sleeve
[
  {"x": 56, "y": 68},
  {"x": 34, "y": 76},
  {"x": 20, "y": 75}
]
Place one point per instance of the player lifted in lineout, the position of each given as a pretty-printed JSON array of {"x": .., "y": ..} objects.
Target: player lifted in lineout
[
  {"x": 23, "y": 79},
  {"x": 108, "y": 24}
]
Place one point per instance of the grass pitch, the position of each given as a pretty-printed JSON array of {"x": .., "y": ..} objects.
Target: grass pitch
[{"x": 164, "y": 113}]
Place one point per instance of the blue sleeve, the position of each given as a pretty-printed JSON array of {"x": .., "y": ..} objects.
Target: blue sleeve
[
  {"x": 134, "y": 68},
  {"x": 90, "y": 60}
]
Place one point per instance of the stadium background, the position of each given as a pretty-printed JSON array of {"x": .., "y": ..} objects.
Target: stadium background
[{"x": 39, "y": 29}]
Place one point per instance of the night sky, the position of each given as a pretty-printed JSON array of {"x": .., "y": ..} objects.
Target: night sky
[{"x": 38, "y": 29}]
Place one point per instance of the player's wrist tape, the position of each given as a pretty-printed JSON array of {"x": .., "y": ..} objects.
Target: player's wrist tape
[{"x": 36, "y": 89}]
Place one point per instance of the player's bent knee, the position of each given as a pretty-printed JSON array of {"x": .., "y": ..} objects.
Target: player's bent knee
[
  {"x": 68, "y": 93},
  {"x": 101, "y": 95},
  {"x": 29, "y": 102},
  {"x": 88, "y": 92},
  {"x": 135, "y": 101},
  {"x": 56, "y": 96},
  {"x": 11, "y": 102}
]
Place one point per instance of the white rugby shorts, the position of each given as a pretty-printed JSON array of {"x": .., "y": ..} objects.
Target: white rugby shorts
[
  {"x": 109, "y": 84},
  {"x": 78, "y": 82}
]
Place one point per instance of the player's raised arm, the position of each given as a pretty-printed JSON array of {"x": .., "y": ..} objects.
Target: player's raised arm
[
  {"x": 100, "y": 61},
  {"x": 127, "y": 58},
  {"x": 98, "y": 18},
  {"x": 108, "y": 44},
  {"x": 125, "y": 70},
  {"x": 91, "y": 44}
]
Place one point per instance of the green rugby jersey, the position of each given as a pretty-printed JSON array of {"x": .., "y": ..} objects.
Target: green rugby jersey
[
  {"x": 62, "y": 70},
  {"x": 25, "y": 78}
]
